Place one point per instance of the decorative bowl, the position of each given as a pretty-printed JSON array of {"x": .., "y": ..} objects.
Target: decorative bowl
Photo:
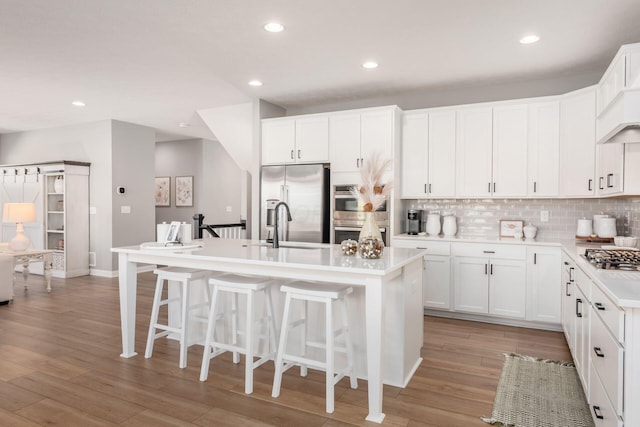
[{"x": 625, "y": 241}]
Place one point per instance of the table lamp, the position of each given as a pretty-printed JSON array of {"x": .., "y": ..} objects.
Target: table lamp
[{"x": 19, "y": 213}]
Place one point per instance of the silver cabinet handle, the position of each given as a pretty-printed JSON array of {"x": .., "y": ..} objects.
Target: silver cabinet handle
[
  {"x": 609, "y": 180},
  {"x": 600, "y": 183},
  {"x": 535, "y": 187},
  {"x": 291, "y": 154},
  {"x": 299, "y": 154},
  {"x": 590, "y": 184}
]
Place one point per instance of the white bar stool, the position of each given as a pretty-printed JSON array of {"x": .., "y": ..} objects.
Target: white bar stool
[
  {"x": 240, "y": 285},
  {"x": 326, "y": 294},
  {"x": 185, "y": 276}
]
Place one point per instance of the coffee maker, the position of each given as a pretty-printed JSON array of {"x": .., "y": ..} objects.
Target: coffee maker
[
  {"x": 271, "y": 217},
  {"x": 413, "y": 222}
]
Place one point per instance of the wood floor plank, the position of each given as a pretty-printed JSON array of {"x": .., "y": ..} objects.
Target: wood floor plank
[{"x": 60, "y": 364}]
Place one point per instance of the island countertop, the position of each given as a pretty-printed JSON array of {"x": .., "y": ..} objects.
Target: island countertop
[{"x": 387, "y": 292}]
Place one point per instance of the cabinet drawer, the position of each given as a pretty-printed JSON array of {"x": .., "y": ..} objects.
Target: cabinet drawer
[
  {"x": 583, "y": 282},
  {"x": 610, "y": 314},
  {"x": 433, "y": 248},
  {"x": 490, "y": 250},
  {"x": 607, "y": 359},
  {"x": 601, "y": 409}
]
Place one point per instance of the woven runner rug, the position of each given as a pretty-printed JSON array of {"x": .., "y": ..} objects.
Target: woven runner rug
[{"x": 539, "y": 393}]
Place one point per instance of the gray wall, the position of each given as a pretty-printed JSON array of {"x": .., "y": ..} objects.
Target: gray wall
[
  {"x": 133, "y": 168},
  {"x": 217, "y": 180},
  {"x": 112, "y": 148}
]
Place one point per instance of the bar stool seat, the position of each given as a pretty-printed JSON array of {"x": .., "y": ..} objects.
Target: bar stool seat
[
  {"x": 236, "y": 285},
  {"x": 185, "y": 276},
  {"x": 326, "y": 294}
]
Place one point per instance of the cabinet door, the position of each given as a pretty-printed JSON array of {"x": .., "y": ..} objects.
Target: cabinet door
[
  {"x": 442, "y": 154},
  {"x": 577, "y": 144},
  {"x": 312, "y": 140},
  {"x": 344, "y": 142},
  {"x": 473, "y": 152},
  {"x": 437, "y": 282},
  {"x": 507, "y": 288},
  {"x": 581, "y": 354},
  {"x": 544, "y": 285},
  {"x": 471, "y": 284},
  {"x": 278, "y": 141},
  {"x": 544, "y": 149},
  {"x": 510, "y": 151},
  {"x": 610, "y": 163},
  {"x": 415, "y": 150},
  {"x": 376, "y": 136},
  {"x": 568, "y": 302}
]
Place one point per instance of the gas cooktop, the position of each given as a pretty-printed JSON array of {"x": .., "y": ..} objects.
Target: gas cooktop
[{"x": 614, "y": 259}]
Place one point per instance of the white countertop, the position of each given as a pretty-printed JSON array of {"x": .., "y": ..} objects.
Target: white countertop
[
  {"x": 294, "y": 255},
  {"x": 623, "y": 287}
]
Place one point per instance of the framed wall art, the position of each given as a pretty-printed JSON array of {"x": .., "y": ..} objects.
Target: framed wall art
[
  {"x": 509, "y": 226},
  {"x": 163, "y": 191},
  {"x": 184, "y": 190}
]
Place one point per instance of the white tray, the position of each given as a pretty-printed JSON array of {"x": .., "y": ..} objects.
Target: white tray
[{"x": 164, "y": 247}]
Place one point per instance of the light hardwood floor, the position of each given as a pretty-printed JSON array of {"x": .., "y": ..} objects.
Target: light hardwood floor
[{"x": 60, "y": 365}]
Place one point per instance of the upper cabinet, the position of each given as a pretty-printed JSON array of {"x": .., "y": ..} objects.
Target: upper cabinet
[
  {"x": 543, "y": 149},
  {"x": 428, "y": 154},
  {"x": 295, "y": 140},
  {"x": 577, "y": 143},
  {"x": 491, "y": 151},
  {"x": 356, "y": 135}
]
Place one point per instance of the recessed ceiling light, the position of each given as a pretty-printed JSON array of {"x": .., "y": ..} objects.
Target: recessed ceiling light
[
  {"x": 370, "y": 64},
  {"x": 183, "y": 124},
  {"x": 273, "y": 27},
  {"x": 532, "y": 38},
  {"x": 255, "y": 83},
  {"x": 78, "y": 103}
]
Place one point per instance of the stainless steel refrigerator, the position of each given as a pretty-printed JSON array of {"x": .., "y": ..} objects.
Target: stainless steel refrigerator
[{"x": 305, "y": 189}]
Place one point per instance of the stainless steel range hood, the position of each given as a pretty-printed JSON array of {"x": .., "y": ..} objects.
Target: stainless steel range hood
[{"x": 620, "y": 122}]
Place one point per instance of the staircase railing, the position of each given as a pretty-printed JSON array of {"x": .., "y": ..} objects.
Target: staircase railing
[{"x": 225, "y": 231}]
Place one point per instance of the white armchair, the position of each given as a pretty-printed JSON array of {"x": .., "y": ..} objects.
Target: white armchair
[{"x": 6, "y": 277}]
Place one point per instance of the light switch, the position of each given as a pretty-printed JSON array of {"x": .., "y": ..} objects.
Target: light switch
[
  {"x": 544, "y": 216},
  {"x": 92, "y": 210},
  {"x": 229, "y": 208},
  {"x": 125, "y": 209}
]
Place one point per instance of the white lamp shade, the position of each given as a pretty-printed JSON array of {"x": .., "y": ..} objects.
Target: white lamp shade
[{"x": 19, "y": 212}]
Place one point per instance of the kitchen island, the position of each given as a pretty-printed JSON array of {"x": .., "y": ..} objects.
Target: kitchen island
[{"x": 390, "y": 290}]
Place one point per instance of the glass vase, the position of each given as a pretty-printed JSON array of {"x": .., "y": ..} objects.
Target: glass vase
[{"x": 370, "y": 243}]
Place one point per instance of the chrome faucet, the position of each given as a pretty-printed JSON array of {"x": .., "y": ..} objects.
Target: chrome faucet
[{"x": 276, "y": 243}]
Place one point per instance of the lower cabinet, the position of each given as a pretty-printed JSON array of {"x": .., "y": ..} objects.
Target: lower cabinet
[
  {"x": 436, "y": 288},
  {"x": 544, "y": 284},
  {"x": 595, "y": 330}
]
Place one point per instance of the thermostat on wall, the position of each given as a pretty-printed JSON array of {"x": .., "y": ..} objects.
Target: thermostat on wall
[{"x": 120, "y": 190}]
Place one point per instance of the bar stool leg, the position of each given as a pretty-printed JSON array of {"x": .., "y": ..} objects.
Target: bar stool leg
[
  {"x": 272, "y": 329},
  {"x": 206, "y": 354},
  {"x": 329, "y": 379},
  {"x": 353, "y": 380},
  {"x": 277, "y": 377},
  {"x": 303, "y": 342},
  {"x": 184, "y": 323},
  {"x": 234, "y": 326},
  {"x": 154, "y": 317},
  {"x": 248, "y": 365}
]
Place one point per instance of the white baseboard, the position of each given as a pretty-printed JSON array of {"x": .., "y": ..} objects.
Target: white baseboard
[
  {"x": 114, "y": 273},
  {"x": 495, "y": 320}
]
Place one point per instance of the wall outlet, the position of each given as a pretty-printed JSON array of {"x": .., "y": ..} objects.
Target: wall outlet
[
  {"x": 229, "y": 208},
  {"x": 92, "y": 259},
  {"x": 92, "y": 210},
  {"x": 544, "y": 216},
  {"x": 125, "y": 209}
]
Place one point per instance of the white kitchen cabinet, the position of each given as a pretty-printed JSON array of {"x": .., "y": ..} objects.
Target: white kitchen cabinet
[
  {"x": 491, "y": 151},
  {"x": 612, "y": 82},
  {"x": 610, "y": 165},
  {"x": 568, "y": 301},
  {"x": 295, "y": 140},
  {"x": 544, "y": 285},
  {"x": 581, "y": 354},
  {"x": 428, "y": 154},
  {"x": 509, "y": 171},
  {"x": 577, "y": 143},
  {"x": 474, "y": 139},
  {"x": 436, "y": 276},
  {"x": 490, "y": 279},
  {"x": 355, "y": 136},
  {"x": 543, "y": 149}
]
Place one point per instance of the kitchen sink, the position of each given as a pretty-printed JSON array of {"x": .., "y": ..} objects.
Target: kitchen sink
[{"x": 292, "y": 245}]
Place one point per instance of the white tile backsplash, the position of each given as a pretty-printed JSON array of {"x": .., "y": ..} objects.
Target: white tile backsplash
[{"x": 481, "y": 217}]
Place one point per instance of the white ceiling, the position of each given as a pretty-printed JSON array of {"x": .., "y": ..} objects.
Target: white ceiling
[{"x": 156, "y": 62}]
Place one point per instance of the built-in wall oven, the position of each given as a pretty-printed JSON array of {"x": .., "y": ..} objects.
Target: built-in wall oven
[{"x": 348, "y": 215}]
